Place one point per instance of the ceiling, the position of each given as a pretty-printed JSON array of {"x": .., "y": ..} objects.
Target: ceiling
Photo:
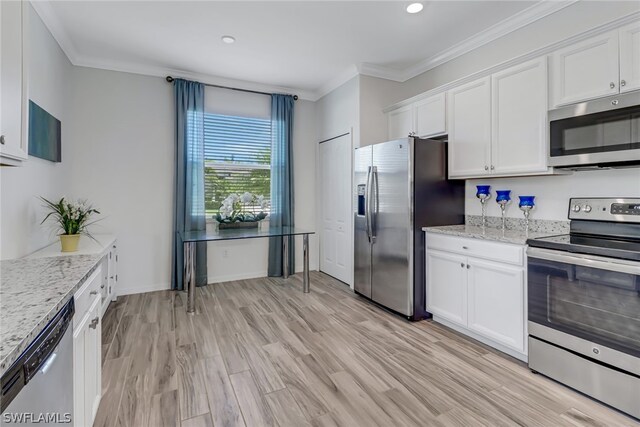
[{"x": 309, "y": 46}]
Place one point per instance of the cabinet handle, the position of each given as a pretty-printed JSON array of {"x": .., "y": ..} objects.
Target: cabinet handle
[
  {"x": 492, "y": 167},
  {"x": 486, "y": 167},
  {"x": 468, "y": 266},
  {"x": 612, "y": 85},
  {"x": 462, "y": 264},
  {"x": 465, "y": 247},
  {"x": 101, "y": 286},
  {"x": 623, "y": 83},
  {"x": 94, "y": 322},
  {"x": 2, "y": 139},
  {"x": 93, "y": 293},
  {"x": 614, "y": 102}
]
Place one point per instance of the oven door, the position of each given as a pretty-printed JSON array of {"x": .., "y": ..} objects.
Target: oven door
[
  {"x": 596, "y": 132},
  {"x": 594, "y": 299}
]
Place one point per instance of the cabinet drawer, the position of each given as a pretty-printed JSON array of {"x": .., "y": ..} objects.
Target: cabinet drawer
[
  {"x": 495, "y": 251},
  {"x": 86, "y": 295}
]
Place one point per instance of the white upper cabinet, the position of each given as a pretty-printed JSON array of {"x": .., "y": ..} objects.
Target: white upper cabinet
[
  {"x": 585, "y": 70},
  {"x": 400, "y": 122},
  {"x": 424, "y": 118},
  {"x": 430, "y": 116},
  {"x": 469, "y": 114},
  {"x": 630, "y": 57},
  {"x": 13, "y": 82},
  {"x": 519, "y": 118}
]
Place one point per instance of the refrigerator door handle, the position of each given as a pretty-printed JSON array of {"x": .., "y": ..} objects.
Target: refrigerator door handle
[
  {"x": 367, "y": 219},
  {"x": 376, "y": 204}
]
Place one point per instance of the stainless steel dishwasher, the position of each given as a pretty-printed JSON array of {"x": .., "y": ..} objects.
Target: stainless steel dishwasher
[{"x": 38, "y": 388}]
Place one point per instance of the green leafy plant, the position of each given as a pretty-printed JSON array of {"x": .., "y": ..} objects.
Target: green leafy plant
[
  {"x": 239, "y": 208},
  {"x": 71, "y": 217}
]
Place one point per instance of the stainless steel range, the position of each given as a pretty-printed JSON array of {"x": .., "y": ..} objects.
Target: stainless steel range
[{"x": 584, "y": 302}]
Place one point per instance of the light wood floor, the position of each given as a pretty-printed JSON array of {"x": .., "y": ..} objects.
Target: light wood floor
[{"x": 261, "y": 353}]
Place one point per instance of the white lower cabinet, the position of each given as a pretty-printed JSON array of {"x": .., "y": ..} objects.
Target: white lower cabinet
[
  {"x": 496, "y": 302},
  {"x": 450, "y": 301},
  {"x": 478, "y": 288},
  {"x": 87, "y": 363}
]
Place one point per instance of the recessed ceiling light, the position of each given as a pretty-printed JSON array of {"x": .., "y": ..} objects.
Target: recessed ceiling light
[
  {"x": 415, "y": 7},
  {"x": 228, "y": 39}
]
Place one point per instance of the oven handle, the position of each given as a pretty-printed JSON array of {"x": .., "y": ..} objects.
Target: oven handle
[{"x": 602, "y": 263}]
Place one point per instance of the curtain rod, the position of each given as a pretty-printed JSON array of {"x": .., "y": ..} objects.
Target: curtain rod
[{"x": 295, "y": 97}]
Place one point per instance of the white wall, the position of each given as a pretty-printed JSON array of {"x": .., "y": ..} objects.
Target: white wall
[
  {"x": 235, "y": 260},
  {"x": 375, "y": 95},
  {"x": 553, "y": 192},
  {"x": 21, "y": 210},
  {"x": 121, "y": 154},
  {"x": 338, "y": 112}
]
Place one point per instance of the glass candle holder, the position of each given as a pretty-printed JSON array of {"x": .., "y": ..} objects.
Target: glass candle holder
[
  {"x": 503, "y": 197},
  {"x": 483, "y": 193},
  {"x": 526, "y": 205}
]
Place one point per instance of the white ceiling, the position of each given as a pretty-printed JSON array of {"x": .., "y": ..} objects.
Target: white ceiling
[{"x": 307, "y": 46}]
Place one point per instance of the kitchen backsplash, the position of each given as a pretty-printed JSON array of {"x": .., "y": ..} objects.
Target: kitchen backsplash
[
  {"x": 553, "y": 192},
  {"x": 535, "y": 225}
]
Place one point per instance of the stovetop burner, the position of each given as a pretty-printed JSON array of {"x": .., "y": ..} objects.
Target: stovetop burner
[{"x": 607, "y": 227}]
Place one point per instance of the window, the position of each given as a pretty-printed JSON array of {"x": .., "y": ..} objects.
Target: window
[{"x": 237, "y": 154}]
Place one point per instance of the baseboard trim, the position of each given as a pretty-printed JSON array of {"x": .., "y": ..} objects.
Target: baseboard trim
[
  {"x": 484, "y": 340},
  {"x": 152, "y": 287}
]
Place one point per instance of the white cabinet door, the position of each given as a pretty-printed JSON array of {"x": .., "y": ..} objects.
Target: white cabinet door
[
  {"x": 519, "y": 118},
  {"x": 630, "y": 57},
  {"x": 92, "y": 363},
  {"x": 400, "y": 122},
  {"x": 336, "y": 255},
  {"x": 13, "y": 82},
  {"x": 447, "y": 286},
  {"x": 469, "y": 116},
  {"x": 585, "y": 70},
  {"x": 496, "y": 302},
  {"x": 430, "y": 116},
  {"x": 87, "y": 365}
]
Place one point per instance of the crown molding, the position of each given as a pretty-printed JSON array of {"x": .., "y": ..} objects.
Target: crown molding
[
  {"x": 346, "y": 75},
  {"x": 57, "y": 30},
  {"x": 502, "y": 28},
  {"x": 158, "y": 71},
  {"x": 545, "y": 50}
]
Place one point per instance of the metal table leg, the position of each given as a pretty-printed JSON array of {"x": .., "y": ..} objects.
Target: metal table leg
[
  {"x": 190, "y": 275},
  {"x": 285, "y": 257},
  {"x": 305, "y": 272}
]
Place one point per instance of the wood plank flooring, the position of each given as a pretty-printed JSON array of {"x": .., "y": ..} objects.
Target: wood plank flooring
[{"x": 261, "y": 353}]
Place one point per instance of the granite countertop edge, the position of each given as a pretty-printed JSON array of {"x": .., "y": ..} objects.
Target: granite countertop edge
[
  {"x": 16, "y": 349},
  {"x": 517, "y": 237}
]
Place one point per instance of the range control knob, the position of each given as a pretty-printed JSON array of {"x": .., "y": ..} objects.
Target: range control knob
[
  {"x": 587, "y": 208},
  {"x": 576, "y": 208}
]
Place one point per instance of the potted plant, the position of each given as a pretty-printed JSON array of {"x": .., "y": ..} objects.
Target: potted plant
[
  {"x": 239, "y": 211},
  {"x": 72, "y": 218}
]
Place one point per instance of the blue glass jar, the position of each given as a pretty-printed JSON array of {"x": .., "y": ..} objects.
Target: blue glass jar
[
  {"x": 483, "y": 190},
  {"x": 503, "y": 195},
  {"x": 527, "y": 201}
]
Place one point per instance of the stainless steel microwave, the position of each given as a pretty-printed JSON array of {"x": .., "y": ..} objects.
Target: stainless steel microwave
[{"x": 601, "y": 132}]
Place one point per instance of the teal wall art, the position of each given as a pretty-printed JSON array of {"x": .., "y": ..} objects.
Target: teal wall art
[{"x": 45, "y": 134}]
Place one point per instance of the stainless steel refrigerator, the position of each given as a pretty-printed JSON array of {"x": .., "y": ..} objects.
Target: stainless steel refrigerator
[{"x": 400, "y": 187}]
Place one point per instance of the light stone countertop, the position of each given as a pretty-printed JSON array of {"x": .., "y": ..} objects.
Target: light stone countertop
[
  {"x": 518, "y": 237},
  {"x": 32, "y": 291}
]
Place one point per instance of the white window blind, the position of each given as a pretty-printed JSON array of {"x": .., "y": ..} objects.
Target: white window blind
[{"x": 237, "y": 152}]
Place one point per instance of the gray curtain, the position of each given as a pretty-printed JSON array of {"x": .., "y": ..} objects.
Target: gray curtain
[
  {"x": 189, "y": 214},
  {"x": 281, "y": 180}
]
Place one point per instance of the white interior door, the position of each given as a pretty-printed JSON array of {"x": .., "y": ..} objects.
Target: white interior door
[{"x": 336, "y": 254}]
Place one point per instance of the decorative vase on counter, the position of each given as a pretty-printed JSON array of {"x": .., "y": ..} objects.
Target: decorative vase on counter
[{"x": 69, "y": 242}]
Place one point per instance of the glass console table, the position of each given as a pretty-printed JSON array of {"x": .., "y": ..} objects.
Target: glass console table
[{"x": 190, "y": 238}]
